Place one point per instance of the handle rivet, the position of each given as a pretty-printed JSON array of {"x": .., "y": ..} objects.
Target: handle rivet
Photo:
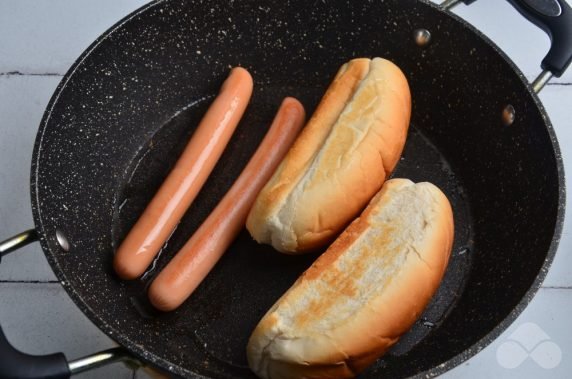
[
  {"x": 62, "y": 240},
  {"x": 422, "y": 37},
  {"x": 508, "y": 115}
]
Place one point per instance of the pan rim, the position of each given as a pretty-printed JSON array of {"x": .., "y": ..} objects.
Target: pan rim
[
  {"x": 155, "y": 360},
  {"x": 531, "y": 292},
  {"x": 110, "y": 331}
]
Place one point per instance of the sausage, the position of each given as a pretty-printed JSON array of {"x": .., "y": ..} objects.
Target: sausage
[
  {"x": 192, "y": 263},
  {"x": 184, "y": 182}
]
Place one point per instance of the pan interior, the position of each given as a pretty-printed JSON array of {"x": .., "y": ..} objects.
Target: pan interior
[
  {"x": 232, "y": 300},
  {"x": 127, "y": 107}
]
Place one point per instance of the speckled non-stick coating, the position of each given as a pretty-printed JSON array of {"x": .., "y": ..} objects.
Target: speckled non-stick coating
[{"x": 127, "y": 107}]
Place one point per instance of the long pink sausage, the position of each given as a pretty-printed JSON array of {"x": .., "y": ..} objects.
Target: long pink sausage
[
  {"x": 187, "y": 177},
  {"x": 177, "y": 281}
]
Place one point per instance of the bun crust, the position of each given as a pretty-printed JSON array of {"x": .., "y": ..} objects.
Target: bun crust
[
  {"x": 363, "y": 293},
  {"x": 340, "y": 160}
]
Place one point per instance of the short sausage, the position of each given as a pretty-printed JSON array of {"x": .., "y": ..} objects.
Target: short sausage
[{"x": 192, "y": 263}]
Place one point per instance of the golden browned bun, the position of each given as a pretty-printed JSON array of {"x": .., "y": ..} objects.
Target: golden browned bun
[
  {"x": 340, "y": 160},
  {"x": 363, "y": 293}
]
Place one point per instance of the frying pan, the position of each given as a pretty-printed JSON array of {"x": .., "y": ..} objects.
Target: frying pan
[{"x": 126, "y": 108}]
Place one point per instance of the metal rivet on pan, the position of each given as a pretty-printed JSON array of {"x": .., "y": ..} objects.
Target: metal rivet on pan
[
  {"x": 62, "y": 240},
  {"x": 422, "y": 37},
  {"x": 508, "y": 115}
]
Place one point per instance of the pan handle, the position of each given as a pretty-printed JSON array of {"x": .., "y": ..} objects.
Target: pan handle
[
  {"x": 555, "y": 18},
  {"x": 15, "y": 364},
  {"x": 18, "y": 241}
]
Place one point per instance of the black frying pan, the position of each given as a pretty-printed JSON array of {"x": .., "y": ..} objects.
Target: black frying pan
[{"x": 126, "y": 108}]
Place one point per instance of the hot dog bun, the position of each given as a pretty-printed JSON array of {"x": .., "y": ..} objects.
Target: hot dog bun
[
  {"x": 363, "y": 293},
  {"x": 340, "y": 160}
]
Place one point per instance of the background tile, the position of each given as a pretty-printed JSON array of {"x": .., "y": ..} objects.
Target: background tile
[{"x": 41, "y": 37}]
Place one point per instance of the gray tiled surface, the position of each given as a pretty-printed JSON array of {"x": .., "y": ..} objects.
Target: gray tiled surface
[
  {"x": 45, "y": 37},
  {"x": 39, "y": 37}
]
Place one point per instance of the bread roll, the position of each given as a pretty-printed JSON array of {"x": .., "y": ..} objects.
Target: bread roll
[
  {"x": 340, "y": 160},
  {"x": 363, "y": 293}
]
